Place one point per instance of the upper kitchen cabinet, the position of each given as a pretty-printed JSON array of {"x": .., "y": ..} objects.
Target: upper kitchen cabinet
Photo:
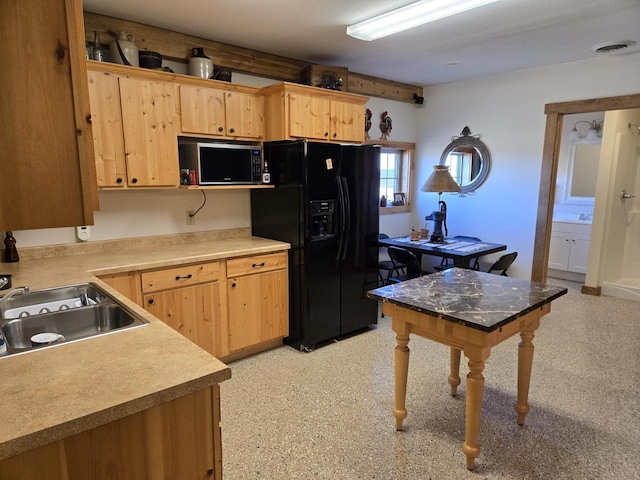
[
  {"x": 224, "y": 113},
  {"x": 135, "y": 128},
  {"x": 47, "y": 171},
  {"x": 299, "y": 111}
]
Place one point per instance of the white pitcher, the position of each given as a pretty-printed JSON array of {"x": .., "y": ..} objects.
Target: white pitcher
[{"x": 130, "y": 51}]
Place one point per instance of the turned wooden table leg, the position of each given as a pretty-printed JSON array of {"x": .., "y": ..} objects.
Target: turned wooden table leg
[
  {"x": 401, "y": 371},
  {"x": 475, "y": 389},
  {"x": 525, "y": 363},
  {"x": 454, "y": 377}
]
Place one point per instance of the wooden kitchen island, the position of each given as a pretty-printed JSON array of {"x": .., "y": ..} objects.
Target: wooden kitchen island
[
  {"x": 470, "y": 312},
  {"x": 140, "y": 404}
]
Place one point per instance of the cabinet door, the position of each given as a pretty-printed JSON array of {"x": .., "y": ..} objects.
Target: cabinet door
[
  {"x": 128, "y": 284},
  {"x": 202, "y": 110},
  {"x": 196, "y": 312},
  {"x": 579, "y": 254},
  {"x": 108, "y": 137},
  {"x": 559, "y": 250},
  {"x": 47, "y": 170},
  {"x": 258, "y": 308},
  {"x": 347, "y": 122},
  {"x": 309, "y": 116},
  {"x": 245, "y": 115},
  {"x": 150, "y": 132}
]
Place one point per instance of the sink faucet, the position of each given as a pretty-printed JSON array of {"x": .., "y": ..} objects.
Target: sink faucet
[{"x": 18, "y": 290}]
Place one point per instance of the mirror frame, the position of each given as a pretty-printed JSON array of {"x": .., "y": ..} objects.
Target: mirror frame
[{"x": 468, "y": 140}]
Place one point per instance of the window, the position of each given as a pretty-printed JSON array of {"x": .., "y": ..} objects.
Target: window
[
  {"x": 390, "y": 163},
  {"x": 396, "y": 167}
]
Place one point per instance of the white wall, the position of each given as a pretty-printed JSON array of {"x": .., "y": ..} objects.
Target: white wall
[
  {"x": 405, "y": 118},
  {"x": 508, "y": 112}
]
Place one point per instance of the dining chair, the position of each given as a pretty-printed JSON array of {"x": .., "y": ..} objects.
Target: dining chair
[
  {"x": 383, "y": 269},
  {"x": 409, "y": 259},
  {"x": 446, "y": 262},
  {"x": 503, "y": 263}
]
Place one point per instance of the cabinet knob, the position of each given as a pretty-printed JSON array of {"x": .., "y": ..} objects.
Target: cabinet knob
[
  {"x": 119, "y": 180},
  {"x": 257, "y": 265},
  {"x": 134, "y": 180},
  {"x": 220, "y": 129},
  {"x": 326, "y": 134},
  {"x": 232, "y": 130},
  {"x": 182, "y": 277},
  {"x": 233, "y": 285},
  {"x": 210, "y": 472},
  {"x": 335, "y": 135},
  {"x": 151, "y": 301}
]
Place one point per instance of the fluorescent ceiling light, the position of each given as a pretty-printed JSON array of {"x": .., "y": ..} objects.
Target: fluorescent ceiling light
[{"x": 410, "y": 16}]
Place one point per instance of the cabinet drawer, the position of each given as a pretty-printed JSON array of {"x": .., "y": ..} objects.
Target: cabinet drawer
[
  {"x": 256, "y": 264},
  {"x": 180, "y": 276}
]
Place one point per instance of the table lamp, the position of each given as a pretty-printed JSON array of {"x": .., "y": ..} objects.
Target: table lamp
[{"x": 439, "y": 181}]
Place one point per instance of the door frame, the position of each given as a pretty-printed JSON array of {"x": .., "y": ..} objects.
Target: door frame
[{"x": 550, "y": 159}]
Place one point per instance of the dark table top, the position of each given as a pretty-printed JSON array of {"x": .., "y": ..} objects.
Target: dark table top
[
  {"x": 451, "y": 249},
  {"x": 476, "y": 299}
]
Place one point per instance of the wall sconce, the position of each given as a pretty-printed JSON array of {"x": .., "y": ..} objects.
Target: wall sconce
[{"x": 595, "y": 131}]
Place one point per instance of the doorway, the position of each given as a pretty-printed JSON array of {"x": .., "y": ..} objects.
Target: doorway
[{"x": 550, "y": 159}]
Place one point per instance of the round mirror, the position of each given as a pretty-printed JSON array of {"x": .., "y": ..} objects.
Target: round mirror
[{"x": 468, "y": 160}]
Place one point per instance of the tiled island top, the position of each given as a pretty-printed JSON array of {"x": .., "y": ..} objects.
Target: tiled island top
[{"x": 479, "y": 300}]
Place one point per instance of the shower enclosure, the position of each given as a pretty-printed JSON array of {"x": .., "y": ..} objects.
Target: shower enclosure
[{"x": 614, "y": 258}]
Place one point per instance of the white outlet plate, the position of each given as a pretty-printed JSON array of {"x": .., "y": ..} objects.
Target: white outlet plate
[
  {"x": 84, "y": 233},
  {"x": 191, "y": 220}
]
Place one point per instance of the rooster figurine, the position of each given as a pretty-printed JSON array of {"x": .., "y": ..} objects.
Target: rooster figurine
[
  {"x": 385, "y": 126},
  {"x": 367, "y": 123}
]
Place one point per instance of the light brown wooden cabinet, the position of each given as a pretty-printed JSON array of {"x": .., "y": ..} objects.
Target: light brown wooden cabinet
[
  {"x": 128, "y": 284},
  {"x": 257, "y": 288},
  {"x": 298, "y": 111},
  {"x": 135, "y": 130},
  {"x": 213, "y": 111},
  {"x": 231, "y": 308},
  {"x": 177, "y": 439},
  {"x": 47, "y": 172},
  {"x": 190, "y": 299}
]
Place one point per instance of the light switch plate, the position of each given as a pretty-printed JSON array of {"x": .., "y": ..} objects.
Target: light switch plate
[{"x": 84, "y": 233}]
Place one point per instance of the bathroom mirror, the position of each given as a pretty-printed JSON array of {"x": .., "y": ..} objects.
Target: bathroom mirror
[
  {"x": 582, "y": 173},
  {"x": 468, "y": 160}
]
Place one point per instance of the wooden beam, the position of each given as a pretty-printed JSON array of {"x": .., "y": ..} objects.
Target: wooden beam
[{"x": 177, "y": 47}]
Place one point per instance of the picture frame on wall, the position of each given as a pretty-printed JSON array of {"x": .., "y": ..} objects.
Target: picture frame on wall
[{"x": 399, "y": 199}]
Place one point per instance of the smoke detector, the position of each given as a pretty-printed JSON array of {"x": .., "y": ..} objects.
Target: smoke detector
[{"x": 613, "y": 47}]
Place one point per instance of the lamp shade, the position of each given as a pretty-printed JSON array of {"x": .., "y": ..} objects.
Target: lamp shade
[{"x": 440, "y": 181}]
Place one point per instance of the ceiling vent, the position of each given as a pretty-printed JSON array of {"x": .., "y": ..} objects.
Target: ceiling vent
[{"x": 613, "y": 47}]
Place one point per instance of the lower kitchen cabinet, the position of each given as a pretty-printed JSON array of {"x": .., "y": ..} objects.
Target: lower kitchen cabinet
[
  {"x": 257, "y": 289},
  {"x": 128, "y": 284},
  {"x": 190, "y": 300},
  {"x": 231, "y": 308},
  {"x": 177, "y": 439}
]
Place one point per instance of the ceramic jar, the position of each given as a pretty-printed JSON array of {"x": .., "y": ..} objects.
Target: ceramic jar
[
  {"x": 128, "y": 48},
  {"x": 199, "y": 64}
]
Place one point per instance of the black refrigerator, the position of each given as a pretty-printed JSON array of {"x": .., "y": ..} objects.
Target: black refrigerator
[{"x": 325, "y": 204}]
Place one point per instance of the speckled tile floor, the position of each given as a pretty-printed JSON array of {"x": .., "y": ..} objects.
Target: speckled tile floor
[{"x": 327, "y": 414}]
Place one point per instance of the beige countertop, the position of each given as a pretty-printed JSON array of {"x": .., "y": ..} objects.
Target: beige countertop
[{"x": 50, "y": 394}]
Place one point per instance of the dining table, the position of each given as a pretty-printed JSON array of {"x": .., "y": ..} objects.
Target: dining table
[
  {"x": 462, "y": 252},
  {"x": 471, "y": 312}
]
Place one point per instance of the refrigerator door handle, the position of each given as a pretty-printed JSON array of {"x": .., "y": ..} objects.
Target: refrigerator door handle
[
  {"x": 341, "y": 226},
  {"x": 347, "y": 231}
]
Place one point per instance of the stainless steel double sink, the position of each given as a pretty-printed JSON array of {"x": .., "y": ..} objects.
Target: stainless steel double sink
[{"x": 49, "y": 317}]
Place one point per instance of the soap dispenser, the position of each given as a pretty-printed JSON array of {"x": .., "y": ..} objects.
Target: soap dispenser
[{"x": 10, "y": 250}]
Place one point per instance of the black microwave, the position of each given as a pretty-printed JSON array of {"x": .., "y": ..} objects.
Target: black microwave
[{"x": 224, "y": 163}]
